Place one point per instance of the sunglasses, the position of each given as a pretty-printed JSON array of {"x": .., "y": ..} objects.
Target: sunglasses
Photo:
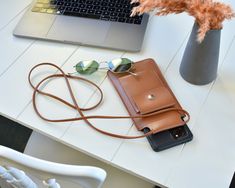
[{"x": 119, "y": 65}]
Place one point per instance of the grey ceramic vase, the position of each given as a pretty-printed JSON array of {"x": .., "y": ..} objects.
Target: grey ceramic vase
[{"x": 200, "y": 60}]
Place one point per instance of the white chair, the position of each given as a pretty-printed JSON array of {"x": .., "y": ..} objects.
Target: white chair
[
  {"x": 19, "y": 170},
  {"x": 45, "y": 148}
]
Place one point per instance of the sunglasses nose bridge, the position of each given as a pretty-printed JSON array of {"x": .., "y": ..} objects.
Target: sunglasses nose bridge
[
  {"x": 103, "y": 64},
  {"x": 119, "y": 65}
]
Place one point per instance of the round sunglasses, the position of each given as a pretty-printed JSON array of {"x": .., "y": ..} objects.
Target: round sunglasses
[{"x": 119, "y": 65}]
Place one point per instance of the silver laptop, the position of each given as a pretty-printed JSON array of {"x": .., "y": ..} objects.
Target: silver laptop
[{"x": 103, "y": 23}]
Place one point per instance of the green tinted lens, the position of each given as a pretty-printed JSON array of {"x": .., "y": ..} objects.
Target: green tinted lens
[
  {"x": 124, "y": 66},
  {"x": 87, "y": 67}
]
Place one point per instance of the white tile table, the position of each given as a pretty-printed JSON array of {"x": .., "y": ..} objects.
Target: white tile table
[{"x": 207, "y": 161}]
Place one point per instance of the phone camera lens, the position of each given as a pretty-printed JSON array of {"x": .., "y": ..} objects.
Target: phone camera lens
[{"x": 178, "y": 132}]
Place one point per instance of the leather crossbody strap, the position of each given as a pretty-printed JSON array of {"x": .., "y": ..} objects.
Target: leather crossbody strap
[{"x": 75, "y": 105}]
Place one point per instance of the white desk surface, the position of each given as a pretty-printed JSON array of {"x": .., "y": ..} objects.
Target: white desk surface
[{"x": 207, "y": 161}]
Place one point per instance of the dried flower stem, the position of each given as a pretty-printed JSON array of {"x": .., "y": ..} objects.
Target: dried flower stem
[{"x": 208, "y": 14}]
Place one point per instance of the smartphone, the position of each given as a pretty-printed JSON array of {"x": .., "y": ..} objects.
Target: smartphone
[{"x": 169, "y": 138}]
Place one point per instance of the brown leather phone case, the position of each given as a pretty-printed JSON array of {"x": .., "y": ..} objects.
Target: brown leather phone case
[{"x": 145, "y": 93}]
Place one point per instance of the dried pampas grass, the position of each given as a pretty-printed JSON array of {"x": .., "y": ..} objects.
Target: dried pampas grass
[{"x": 208, "y": 14}]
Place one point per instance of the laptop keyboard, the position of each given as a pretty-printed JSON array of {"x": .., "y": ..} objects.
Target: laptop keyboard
[{"x": 108, "y": 10}]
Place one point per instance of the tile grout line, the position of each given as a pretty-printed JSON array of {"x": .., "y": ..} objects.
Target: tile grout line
[
  {"x": 176, "y": 53},
  {"x": 3, "y": 27},
  {"x": 171, "y": 171},
  {"x": 122, "y": 142},
  {"x": 123, "y": 168},
  {"x": 213, "y": 83},
  {"x": 226, "y": 54},
  {"x": 129, "y": 130},
  {"x": 204, "y": 102},
  {"x": 77, "y": 114},
  {"x": 55, "y": 72},
  {"x": 17, "y": 58},
  {"x": 67, "y": 129}
]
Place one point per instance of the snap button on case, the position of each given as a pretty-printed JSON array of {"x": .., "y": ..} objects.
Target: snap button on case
[{"x": 153, "y": 100}]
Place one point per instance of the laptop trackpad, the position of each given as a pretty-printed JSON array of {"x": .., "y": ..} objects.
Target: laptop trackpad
[{"x": 79, "y": 30}]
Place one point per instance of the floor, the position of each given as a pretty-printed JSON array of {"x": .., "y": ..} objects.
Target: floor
[
  {"x": 13, "y": 135},
  {"x": 63, "y": 154},
  {"x": 25, "y": 140},
  {"x": 232, "y": 185}
]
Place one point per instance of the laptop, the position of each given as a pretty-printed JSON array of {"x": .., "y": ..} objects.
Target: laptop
[{"x": 102, "y": 23}]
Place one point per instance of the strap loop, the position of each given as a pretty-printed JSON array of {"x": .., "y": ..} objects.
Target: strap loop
[{"x": 80, "y": 110}]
